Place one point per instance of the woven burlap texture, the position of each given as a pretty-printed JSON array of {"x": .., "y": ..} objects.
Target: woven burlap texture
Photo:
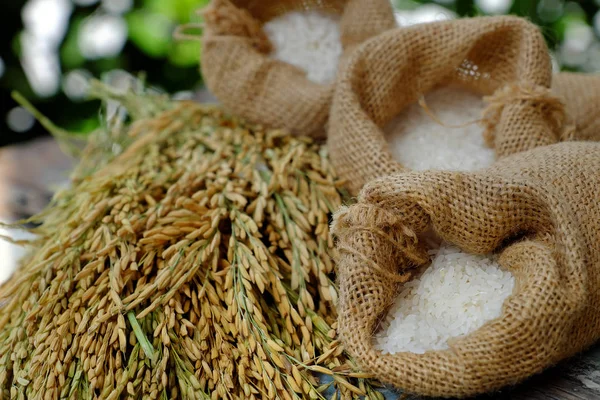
[
  {"x": 581, "y": 95},
  {"x": 502, "y": 58},
  {"x": 236, "y": 66},
  {"x": 540, "y": 209}
]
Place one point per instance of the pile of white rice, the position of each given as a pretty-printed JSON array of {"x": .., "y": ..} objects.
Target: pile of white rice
[
  {"x": 309, "y": 40},
  {"x": 454, "y": 296},
  {"x": 420, "y": 143}
]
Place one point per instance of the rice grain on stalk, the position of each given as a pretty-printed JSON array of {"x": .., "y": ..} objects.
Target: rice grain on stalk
[{"x": 191, "y": 258}]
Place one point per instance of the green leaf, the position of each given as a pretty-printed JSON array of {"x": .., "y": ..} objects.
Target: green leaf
[
  {"x": 16, "y": 44},
  {"x": 140, "y": 336},
  {"x": 181, "y": 11},
  {"x": 185, "y": 54},
  {"x": 108, "y": 64},
  {"x": 70, "y": 55},
  {"x": 151, "y": 32},
  {"x": 83, "y": 126},
  {"x": 166, "y": 8},
  {"x": 186, "y": 9}
]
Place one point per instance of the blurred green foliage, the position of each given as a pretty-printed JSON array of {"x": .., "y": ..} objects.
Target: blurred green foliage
[
  {"x": 150, "y": 48},
  {"x": 553, "y": 16},
  {"x": 173, "y": 67}
]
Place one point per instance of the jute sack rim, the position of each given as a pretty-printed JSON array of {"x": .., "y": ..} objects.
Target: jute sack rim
[
  {"x": 537, "y": 262},
  {"x": 270, "y": 92},
  {"x": 350, "y": 112},
  {"x": 256, "y": 64}
]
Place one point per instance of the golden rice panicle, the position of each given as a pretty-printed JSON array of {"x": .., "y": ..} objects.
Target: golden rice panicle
[{"x": 193, "y": 263}]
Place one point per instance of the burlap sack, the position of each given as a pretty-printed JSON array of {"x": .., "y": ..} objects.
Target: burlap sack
[
  {"x": 504, "y": 58},
  {"x": 237, "y": 68},
  {"x": 581, "y": 95},
  {"x": 540, "y": 209}
]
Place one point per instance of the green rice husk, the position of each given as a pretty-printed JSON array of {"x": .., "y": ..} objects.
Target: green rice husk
[{"x": 190, "y": 258}]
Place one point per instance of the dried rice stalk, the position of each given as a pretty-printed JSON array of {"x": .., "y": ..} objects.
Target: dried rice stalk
[{"x": 196, "y": 264}]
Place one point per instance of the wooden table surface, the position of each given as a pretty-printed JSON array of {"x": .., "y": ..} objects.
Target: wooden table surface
[{"x": 29, "y": 172}]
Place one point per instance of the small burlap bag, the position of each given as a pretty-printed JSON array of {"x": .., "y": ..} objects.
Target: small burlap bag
[
  {"x": 540, "y": 209},
  {"x": 581, "y": 95},
  {"x": 237, "y": 68},
  {"x": 504, "y": 58}
]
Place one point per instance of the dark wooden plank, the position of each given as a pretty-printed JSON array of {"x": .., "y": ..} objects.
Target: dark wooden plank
[
  {"x": 574, "y": 379},
  {"x": 28, "y": 174}
]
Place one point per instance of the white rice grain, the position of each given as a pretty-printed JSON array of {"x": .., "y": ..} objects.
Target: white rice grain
[
  {"x": 453, "y": 297},
  {"x": 309, "y": 40},
  {"x": 420, "y": 143}
]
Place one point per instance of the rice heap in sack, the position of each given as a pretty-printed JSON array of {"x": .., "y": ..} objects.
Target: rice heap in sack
[
  {"x": 502, "y": 58},
  {"x": 274, "y": 61},
  {"x": 190, "y": 259},
  {"x": 581, "y": 95},
  {"x": 538, "y": 210}
]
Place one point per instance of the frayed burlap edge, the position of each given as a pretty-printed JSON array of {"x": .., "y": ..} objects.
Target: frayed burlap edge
[
  {"x": 542, "y": 322},
  {"x": 388, "y": 73},
  {"x": 238, "y": 70}
]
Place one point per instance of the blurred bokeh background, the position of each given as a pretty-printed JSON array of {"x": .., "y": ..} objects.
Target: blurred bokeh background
[{"x": 50, "y": 48}]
